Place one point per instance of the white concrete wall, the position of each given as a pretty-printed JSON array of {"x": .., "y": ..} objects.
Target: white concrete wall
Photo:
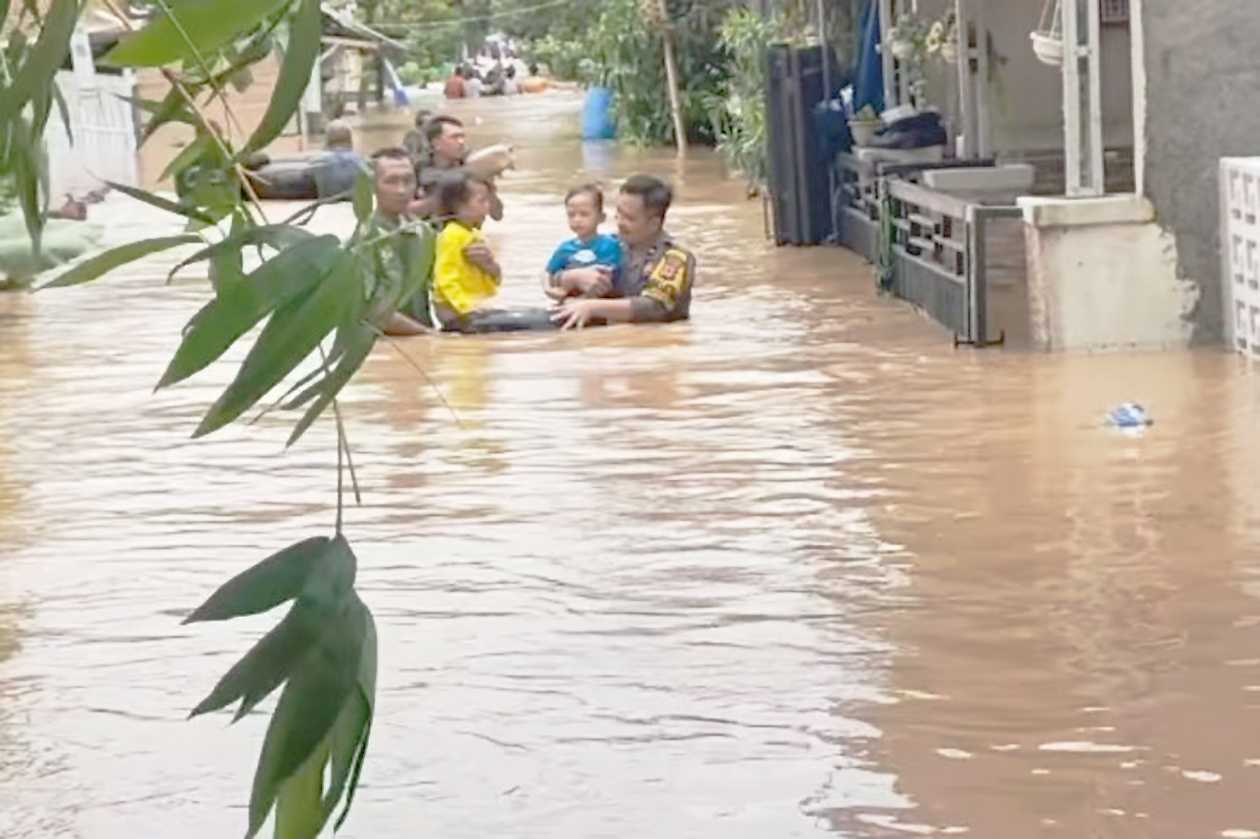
[{"x": 1104, "y": 282}]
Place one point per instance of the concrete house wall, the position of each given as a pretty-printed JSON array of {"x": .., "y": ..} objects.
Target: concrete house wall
[{"x": 1202, "y": 63}]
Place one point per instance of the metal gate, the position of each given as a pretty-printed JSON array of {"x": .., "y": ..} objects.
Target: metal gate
[{"x": 104, "y": 131}]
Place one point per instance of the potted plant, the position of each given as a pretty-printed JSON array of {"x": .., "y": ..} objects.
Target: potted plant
[{"x": 864, "y": 125}]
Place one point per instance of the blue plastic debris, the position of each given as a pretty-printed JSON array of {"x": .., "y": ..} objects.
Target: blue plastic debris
[{"x": 1129, "y": 415}]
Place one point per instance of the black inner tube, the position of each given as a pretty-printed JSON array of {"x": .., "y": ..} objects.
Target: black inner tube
[{"x": 532, "y": 319}]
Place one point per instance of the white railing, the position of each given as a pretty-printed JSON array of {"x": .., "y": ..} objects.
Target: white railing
[{"x": 1240, "y": 260}]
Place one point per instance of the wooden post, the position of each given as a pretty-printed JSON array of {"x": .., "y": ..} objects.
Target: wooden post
[{"x": 671, "y": 78}]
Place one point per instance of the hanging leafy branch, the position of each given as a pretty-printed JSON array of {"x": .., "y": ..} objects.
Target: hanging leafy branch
[{"x": 307, "y": 291}]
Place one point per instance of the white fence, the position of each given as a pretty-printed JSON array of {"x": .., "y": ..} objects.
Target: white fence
[
  {"x": 104, "y": 146},
  {"x": 1240, "y": 241}
]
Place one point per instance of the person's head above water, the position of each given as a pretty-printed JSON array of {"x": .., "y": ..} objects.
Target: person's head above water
[
  {"x": 641, "y": 207},
  {"x": 463, "y": 197},
  {"x": 584, "y": 205},
  {"x": 338, "y": 135},
  {"x": 395, "y": 180},
  {"x": 447, "y": 139}
]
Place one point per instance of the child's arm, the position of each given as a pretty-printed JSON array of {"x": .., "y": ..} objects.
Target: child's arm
[{"x": 479, "y": 254}]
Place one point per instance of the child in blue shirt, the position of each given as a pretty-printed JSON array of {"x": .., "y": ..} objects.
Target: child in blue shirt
[{"x": 585, "y": 207}]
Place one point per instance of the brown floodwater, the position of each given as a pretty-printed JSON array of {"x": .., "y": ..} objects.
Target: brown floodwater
[{"x": 795, "y": 568}]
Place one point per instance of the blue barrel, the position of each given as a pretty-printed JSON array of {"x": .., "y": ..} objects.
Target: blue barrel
[{"x": 598, "y": 122}]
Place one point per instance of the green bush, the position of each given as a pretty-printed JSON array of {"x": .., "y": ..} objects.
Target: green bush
[
  {"x": 628, "y": 57},
  {"x": 738, "y": 109}
]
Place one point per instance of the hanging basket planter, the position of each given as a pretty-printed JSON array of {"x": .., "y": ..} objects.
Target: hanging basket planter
[
  {"x": 1048, "y": 48},
  {"x": 1047, "y": 40}
]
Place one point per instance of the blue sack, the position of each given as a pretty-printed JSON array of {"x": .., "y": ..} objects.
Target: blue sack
[{"x": 598, "y": 122}]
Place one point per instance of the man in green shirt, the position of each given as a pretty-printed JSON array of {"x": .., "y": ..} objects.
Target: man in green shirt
[{"x": 400, "y": 267}]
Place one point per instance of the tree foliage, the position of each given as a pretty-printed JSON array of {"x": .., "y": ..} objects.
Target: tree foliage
[{"x": 319, "y": 299}]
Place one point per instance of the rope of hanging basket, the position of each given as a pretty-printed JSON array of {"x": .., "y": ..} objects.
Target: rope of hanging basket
[{"x": 1051, "y": 19}]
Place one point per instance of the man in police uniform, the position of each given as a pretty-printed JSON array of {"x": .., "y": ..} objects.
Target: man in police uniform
[{"x": 656, "y": 280}]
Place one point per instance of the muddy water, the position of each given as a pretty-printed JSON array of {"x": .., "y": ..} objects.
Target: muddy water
[{"x": 796, "y": 568}]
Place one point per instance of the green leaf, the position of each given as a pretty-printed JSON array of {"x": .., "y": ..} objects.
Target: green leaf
[
  {"x": 286, "y": 276},
  {"x": 277, "y": 578},
  {"x": 227, "y": 267},
  {"x": 161, "y": 203},
  {"x": 360, "y": 338},
  {"x": 268, "y": 663},
  {"x": 4, "y": 10},
  {"x": 299, "y": 814},
  {"x": 277, "y": 236},
  {"x": 294, "y": 76},
  {"x": 364, "y": 197},
  {"x": 48, "y": 54},
  {"x": 26, "y": 157},
  {"x": 102, "y": 263},
  {"x": 309, "y": 707},
  {"x": 290, "y": 336},
  {"x": 367, "y": 692},
  {"x": 172, "y": 108},
  {"x": 207, "y": 24},
  {"x": 187, "y": 155},
  {"x": 62, "y": 108}
]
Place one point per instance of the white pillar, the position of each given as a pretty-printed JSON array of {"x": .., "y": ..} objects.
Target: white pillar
[
  {"x": 1138, "y": 48},
  {"x": 890, "y": 70},
  {"x": 1082, "y": 123},
  {"x": 984, "y": 128},
  {"x": 966, "y": 83}
]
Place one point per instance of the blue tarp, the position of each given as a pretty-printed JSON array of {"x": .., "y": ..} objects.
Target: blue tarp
[{"x": 868, "y": 72}]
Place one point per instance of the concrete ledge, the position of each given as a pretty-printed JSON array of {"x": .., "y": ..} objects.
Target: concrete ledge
[
  {"x": 1016, "y": 177},
  {"x": 1085, "y": 212}
]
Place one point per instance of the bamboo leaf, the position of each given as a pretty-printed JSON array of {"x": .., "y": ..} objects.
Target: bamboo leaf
[
  {"x": 46, "y": 56},
  {"x": 268, "y": 663},
  {"x": 161, "y": 203},
  {"x": 298, "y": 806},
  {"x": 63, "y": 110},
  {"x": 227, "y": 267},
  {"x": 327, "y": 585},
  {"x": 26, "y": 176},
  {"x": 103, "y": 263},
  {"x": 172, "y": 108},
  {"x": 290, "y": 336},
  {"x": 288, "y": 275},
  {"x": 350, "y": 736},
  {"x": 277, "y": 236},
  {"x": 277, "y": 578},
  {"x": 208, "y": 24},
  {"x": 187, "y": 155},
  {"x": 367, "y": 693},
  {"x": 360, "y": 338},
  {"x": 294, "y": 76},
  {"x": 364, "y": 197},
  {"x": 309, "y": 707}
]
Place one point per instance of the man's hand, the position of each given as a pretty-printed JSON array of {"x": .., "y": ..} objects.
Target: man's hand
[
  {"x": 595, "y": 281},
  {"x": 575, "y": 314},
  {"x": 479, "y": 254}
]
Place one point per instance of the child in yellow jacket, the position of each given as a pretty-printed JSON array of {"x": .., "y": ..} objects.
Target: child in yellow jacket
[{"x": 465, "y": 273}]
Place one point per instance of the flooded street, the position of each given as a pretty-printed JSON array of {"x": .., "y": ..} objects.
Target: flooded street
[{"x": 795, "y": 568}]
